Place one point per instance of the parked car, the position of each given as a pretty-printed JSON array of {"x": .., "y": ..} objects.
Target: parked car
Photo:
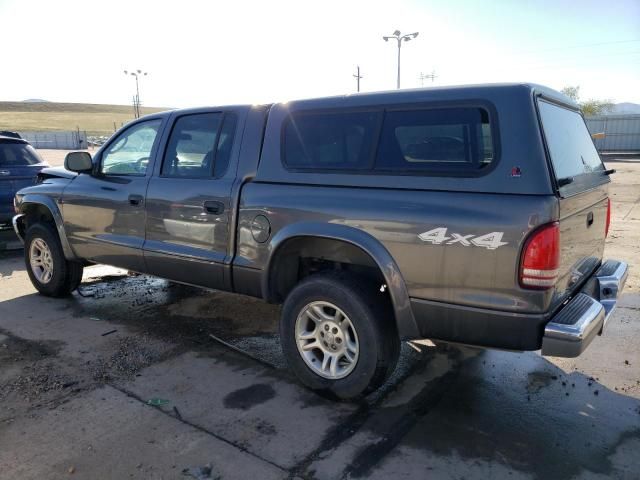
[
  {"x": 19, "y": 167},
  {"x": 475, "y": 215}
]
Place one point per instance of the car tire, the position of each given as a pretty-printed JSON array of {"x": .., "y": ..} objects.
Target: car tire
[
  {"x": 48, "y": 269},
  {"x": 347, "y": 309}
]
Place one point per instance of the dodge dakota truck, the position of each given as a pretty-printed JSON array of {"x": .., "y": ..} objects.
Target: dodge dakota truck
[{"x": 474, "y": 214}]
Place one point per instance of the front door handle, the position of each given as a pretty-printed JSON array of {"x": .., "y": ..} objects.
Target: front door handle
[
  {"x": 589, "y": 219},
  {"x": 213, "y": 206},
  {"x": 136, "y": 200}
]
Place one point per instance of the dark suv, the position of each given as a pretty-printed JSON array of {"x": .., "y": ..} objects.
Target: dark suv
[
  {"x": 470, "y": 214},
  {"x": 19, "y": 167}
]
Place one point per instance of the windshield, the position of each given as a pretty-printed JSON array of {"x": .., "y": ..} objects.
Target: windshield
[
  {"x": 14, "y": 154},
  {"x": 570, "y": 145}
]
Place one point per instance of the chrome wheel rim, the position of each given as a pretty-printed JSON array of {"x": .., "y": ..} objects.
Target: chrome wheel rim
[
  {"x": 41, "y": 260},
  {"x": 327, "y": 340}
]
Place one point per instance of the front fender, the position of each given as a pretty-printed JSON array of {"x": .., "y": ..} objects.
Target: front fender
[
  {"x": 30, "y": 199},
  {"x": 407, "y": 327}
]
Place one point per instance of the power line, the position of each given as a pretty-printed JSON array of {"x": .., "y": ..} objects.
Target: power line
[
  {"x": 587, "y": 45},
  {"x": 422, "y": 77},
  {"x": 567, "y": 62}
]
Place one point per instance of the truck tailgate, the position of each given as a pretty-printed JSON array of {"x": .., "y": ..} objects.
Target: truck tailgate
[{"x": 583, "y": 219}]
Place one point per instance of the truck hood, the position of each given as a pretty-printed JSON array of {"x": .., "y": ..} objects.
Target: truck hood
[{"x": 57, "y": 172}]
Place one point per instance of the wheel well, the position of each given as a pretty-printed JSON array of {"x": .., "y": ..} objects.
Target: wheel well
[
  {"x": 37, "y": 213},
  {"x": 300, "y": 257}
]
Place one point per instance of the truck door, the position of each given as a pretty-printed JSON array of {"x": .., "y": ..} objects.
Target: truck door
[
  {"x": 104, "y": 211},
  {"x": 188, "y": 200}
]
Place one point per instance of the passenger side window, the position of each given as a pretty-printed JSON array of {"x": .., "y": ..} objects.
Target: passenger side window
[
  {"x": 435, "y": 140},
  {"x": 330, "y": 141},
  {"x": 129, "y": 153},
  {"x": 199, "y": 146}
]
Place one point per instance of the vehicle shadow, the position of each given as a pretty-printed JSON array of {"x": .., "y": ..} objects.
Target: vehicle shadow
[
  {"x": 450, "y": 409},
  {"x": 486, "y": 405}
]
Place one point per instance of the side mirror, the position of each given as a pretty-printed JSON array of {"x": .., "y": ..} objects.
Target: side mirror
[{"x": 79, "y": 162}]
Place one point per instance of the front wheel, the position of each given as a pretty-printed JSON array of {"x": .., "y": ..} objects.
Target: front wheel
[
  {"x": 338, "y": 334},
  {"x": 49, "y": 271}
]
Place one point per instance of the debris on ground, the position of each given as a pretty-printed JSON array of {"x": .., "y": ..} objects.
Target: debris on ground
[
  {"x": 109, "y": 332},
  {"x": 131, "y": 355},
  {"x": 201, "y": 473},
  {"x": 157, "y": 402},
  {"x": 36, "y": 379},
  {"x": 86, "y": 292}
]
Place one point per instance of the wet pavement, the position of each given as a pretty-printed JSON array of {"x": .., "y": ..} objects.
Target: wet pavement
[
  {"x": 77, "y": 376},
  {"x": 137, "y": 377}
]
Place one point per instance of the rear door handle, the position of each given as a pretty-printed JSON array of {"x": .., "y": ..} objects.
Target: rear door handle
[
  {"x": 213, "y": 206},
  {"x": 136, "y": 199}
]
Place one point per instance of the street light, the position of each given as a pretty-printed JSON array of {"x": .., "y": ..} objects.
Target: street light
[
  {"x": 400, "y": 38},
  {"x": 136, "y": 102}
]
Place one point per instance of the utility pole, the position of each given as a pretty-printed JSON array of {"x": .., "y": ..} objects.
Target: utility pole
[
  {"x": 358, "y": 77},
  {"x": 423, "y": 77},
  {"x": 400, "y": 38}
]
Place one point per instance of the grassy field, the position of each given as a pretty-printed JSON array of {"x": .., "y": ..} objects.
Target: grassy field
[{"x": 48, "y": 116}]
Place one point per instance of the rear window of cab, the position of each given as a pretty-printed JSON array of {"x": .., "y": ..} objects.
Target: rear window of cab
[{"x": 453, "y": 140}]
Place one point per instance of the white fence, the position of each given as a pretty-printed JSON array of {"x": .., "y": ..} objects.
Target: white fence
[
  {"x": 57, "y": 140},
  {"x": 621, "y": 132}
]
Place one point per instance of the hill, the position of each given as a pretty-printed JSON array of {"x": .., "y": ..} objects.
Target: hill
[{"x": 96, "y": 119}]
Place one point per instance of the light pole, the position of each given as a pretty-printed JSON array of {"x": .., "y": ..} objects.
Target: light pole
[
  {"x": 136, "y": 103},
  {"x": 400, "y": 38}
]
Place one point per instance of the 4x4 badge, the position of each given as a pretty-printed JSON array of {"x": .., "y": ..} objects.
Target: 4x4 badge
[{"x": 439, "y": 236}]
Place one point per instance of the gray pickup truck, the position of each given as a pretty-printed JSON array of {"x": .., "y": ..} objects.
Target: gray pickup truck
[{"x": 475, "y": 215}]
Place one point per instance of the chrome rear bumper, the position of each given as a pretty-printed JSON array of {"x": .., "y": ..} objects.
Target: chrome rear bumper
[{"x": 573, "y": 328}]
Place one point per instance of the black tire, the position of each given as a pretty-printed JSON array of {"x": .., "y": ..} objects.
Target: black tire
[
  {"x": 371, "y": 315},
  {"x": 66, "y": 275}
]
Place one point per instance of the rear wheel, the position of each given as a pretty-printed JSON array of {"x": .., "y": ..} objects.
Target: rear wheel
[
  {"x": 49, "y": 271},
  {"x": 338, "y": 334}
]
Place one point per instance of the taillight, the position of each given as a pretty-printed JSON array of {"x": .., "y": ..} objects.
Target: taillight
[
  {"x": 606, "y": 228},
  {"x": 541, "y": 258}
]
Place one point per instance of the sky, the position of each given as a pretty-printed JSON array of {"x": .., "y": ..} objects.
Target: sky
[{"x": 254, "y": 51}]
